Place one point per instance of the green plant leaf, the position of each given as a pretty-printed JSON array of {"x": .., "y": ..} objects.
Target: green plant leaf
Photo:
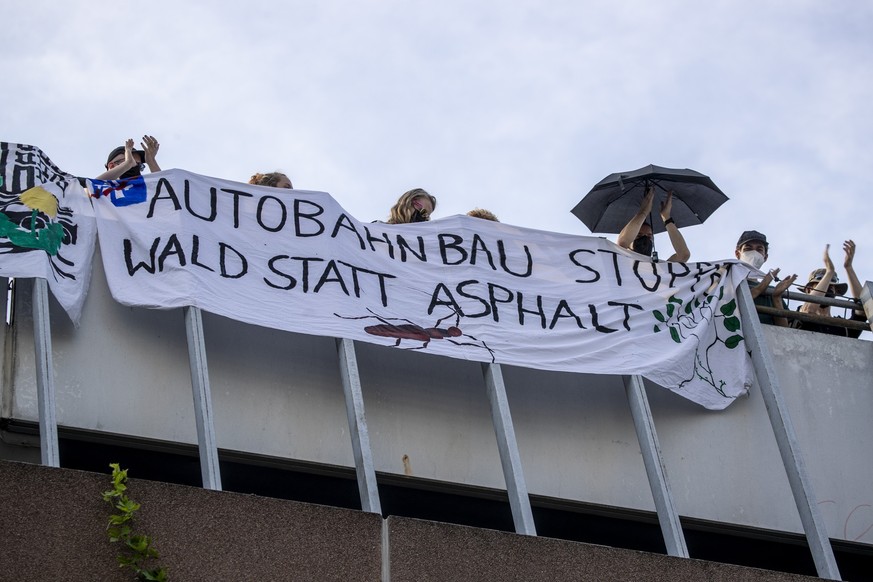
[
  {"x": 138, "y": 543},
  {"x": 696, "y": 302},
  {"x": 720, "y": 292},
  {"x": 729, "y": 307},
  {"x": 117, "y": 519},
  {"x": 732, "y": 323},
  {"x": 733, "y": 341},
  {"x": 688, "y": 307},
  {"x": 128, "y": 506},
  {"x": 659, "y": 316},
  {"x": 657, "y": 329},
  {"x": 670, "y": 309},
  {"x": 675, "y": 299},
  {"x": 675, "y": 335},
  {"x": 709, "y": 298}
]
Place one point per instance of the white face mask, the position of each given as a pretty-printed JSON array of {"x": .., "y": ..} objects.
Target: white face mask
[{"x": 753, "y": 258}]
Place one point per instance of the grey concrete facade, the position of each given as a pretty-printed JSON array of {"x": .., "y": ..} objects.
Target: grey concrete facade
[
  {"x": 125, "y": 371},
  {"x": 53, "y": 526}
]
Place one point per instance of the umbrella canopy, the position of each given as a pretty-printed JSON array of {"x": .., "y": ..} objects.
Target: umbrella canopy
[{"x": 613, "y": 201}]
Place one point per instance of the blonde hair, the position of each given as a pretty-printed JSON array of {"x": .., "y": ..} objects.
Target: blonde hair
[
  {"x": 270, "y": 179},
  {"x": 403, "y": 211},
  {"x": 483, "y": 214}
]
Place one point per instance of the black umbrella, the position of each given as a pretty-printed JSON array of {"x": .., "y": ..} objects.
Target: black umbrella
[{"x": 613, "y": 201}]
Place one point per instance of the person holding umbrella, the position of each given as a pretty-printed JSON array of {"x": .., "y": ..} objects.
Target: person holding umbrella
[{"x": 637, "y": 235}]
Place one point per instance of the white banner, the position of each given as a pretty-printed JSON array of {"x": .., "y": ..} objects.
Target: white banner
[
  {"x": 47, "y": 228},
  {"x": 460, "y": 287}
]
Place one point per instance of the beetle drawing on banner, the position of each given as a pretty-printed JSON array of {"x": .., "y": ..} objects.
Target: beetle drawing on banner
[{"x": 409, "y": 330}]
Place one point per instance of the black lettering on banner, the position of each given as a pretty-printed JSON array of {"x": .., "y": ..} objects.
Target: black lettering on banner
[
  {"x": 539, "y": 310},
  {"x": 292, "y": 282},
  {"x": 213, "y": 203},
  {"x": 384, "y": 240},
  {"x": 222, "y": 261},
  {"x": 357, "y": 287},
  {"x": 455, "y": 245},
  {"x": 562, "y": 308},
  {"x": 173, "y": 247},
  {"x": 673, "y": 275},
  {"x": 614, "y": 264},
  {"x": 236, "y": 195},
  {"x": 493, "y": 300},
  {"x": 195, "y": 253},
  {"x": 626, "y": 307},
  {"x": 597, "y": 326},
  {"x": 461, "y": 288},
  {"x": 164, "y": 184},
  {"x": 703, "y": 269},
  {"x": 148, "y": 267},
  {"x": 331, "y": 268},
  {"x": 501, "y": 250},
  {"x": 345, "y": 222},
  {"x": 586, "y": 267},
  {"x": 477, "y": 246},
  {"x": 449, "y": 301},
  {"x": 654, "y": 272},
  {"x": 30, "y": 167},
  {"x": 404, "y": 246},
  {"x": 309, "y": 216},
  {"x": 283, "y": 214},
  {"x": 305, "y": 275}
]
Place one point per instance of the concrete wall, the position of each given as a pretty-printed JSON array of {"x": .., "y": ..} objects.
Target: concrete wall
[
  {"x": 125, "y": 371},
  {"x": 53, "y": 527}
]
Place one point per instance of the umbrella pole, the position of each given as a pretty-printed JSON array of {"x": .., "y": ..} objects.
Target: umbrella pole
[{"x": 652, "y": 220}]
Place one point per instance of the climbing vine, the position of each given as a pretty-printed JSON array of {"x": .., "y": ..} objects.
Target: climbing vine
[{"x": 137, "y": 550}]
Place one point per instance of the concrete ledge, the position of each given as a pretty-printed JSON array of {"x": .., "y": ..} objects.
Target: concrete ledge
[
  {"x": 424, "y": 550},
  {"x": 53, "y": 521},
  {"x": 53, "y": 528}
]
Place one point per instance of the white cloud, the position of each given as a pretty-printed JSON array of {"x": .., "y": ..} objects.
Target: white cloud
[{"x": 518, "y": 107}]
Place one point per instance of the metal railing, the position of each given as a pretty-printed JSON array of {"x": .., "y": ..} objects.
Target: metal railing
[
  {"x": 519, "y": 501},
  {"x": 852, "y": 304}
]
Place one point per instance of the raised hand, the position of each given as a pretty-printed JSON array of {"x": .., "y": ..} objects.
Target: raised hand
[
  {"x": 829, "y": 264},
  {"x": 646, "y": 205},
  {"x": 150, "y": 148},
  {"x": 849, "y": 247},
  {"x": 784, "y": 284},
  {"x": 667, "y": 206}
]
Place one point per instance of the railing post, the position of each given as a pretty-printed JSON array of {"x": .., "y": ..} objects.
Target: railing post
[
  {"x": 45, "y": 375},
  {"x": 786, "y": 439},
  {"x": 206, "y": 442},
  {"x": 668, "y": 517},
  {"x": 867, "y": 301},
  {"x": 510, "y": 458},
  {"x": 364, "y": 465}
]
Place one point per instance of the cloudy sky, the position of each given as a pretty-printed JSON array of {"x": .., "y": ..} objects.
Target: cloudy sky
[{"x": 518, "y": 107}]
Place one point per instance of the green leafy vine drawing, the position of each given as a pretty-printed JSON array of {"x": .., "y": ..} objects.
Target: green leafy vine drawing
[{"x": 682, "y": 320}]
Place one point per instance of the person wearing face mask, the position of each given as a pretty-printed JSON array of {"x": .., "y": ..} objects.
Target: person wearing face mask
[
  {"x": 416, "y": 205},
  {"x": 125, "y": 162},
  {"x": 752, "y": 248},
  {"x": 637, "y": 234},
  {"x": 825, "y": 282}
]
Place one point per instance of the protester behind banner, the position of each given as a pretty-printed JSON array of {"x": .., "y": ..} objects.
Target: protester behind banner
[
  {"x": 125, "y": 162},
  {"x": 483, "y": 214},
  {"x": 416, "y": 205},
  {"x": 824, "y": 282},
  {"x": 638, "y": 236},
  {"x": 752, "y": 249},
  {"x": 272, "y": 179}
]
